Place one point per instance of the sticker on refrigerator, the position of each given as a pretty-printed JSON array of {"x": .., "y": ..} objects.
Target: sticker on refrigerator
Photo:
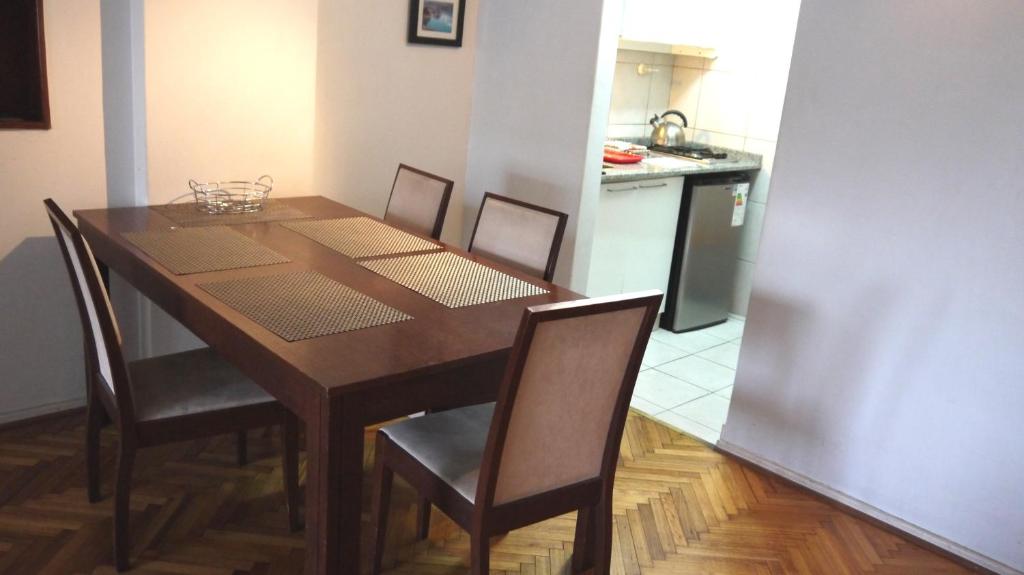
[{"x": 739, "y": 209}]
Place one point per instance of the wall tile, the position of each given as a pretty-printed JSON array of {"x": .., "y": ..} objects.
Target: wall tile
[
  {"x": 718, "y": 139},
  {"x": 629, "y": 96},
  {"x": 661, "y": 90},
  {"x": 765, "y": 104},
  {"x": 724, "y": 103},
  {"x": 750, "y": 238},
  {"x": 685, "y": 94},
  {"x": 762, "y": 183},
  {"x": 619, "y": 131}
]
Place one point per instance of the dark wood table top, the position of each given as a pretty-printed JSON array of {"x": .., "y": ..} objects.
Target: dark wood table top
[{"x": 436, "y": 340}]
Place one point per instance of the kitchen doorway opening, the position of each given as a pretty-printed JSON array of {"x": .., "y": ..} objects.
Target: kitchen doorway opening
[{"x": 698, "y": 94}]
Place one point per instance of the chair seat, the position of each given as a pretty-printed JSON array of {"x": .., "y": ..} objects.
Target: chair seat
[
  {"x": 450, "y": 444},
  {"x": 190, "y": 383}
]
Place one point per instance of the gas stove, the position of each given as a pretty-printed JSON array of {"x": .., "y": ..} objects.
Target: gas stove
[{"x": 694, "y": 152}]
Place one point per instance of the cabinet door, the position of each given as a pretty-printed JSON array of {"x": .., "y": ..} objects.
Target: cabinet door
[
  {"x": 611, "y": 238},
  {"x": 634, "y": 236},
  {"x": 653, "y": 236}
]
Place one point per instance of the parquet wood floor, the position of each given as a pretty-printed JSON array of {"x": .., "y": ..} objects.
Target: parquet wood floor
[{"x": 680, "y": 508}]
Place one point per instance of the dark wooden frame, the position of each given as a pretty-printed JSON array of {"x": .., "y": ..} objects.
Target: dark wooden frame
[
  {"x": 118, "y": 407},
  {"x": 43, "y": 123},
  {"x": 556, "y": 241},
  {"x": 483, "y": 519},
  {"x": 446, "y": 196},
  {"x": 414, "y": 26}
]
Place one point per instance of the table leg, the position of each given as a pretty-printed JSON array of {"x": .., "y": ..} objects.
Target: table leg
[{"x": 334, "y": 446}]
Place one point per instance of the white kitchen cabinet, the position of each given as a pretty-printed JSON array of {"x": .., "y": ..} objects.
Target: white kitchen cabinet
[{"x": 634, "y": 236}]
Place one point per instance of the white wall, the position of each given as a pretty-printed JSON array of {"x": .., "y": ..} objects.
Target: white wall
[
  {"x": 882, "y": 360},
  {"x": 540, "y": 108},
  {"x": 381, "y": 101},
  {"x": 229, "y": 94},
  {"x": 124, "y": 125},
  {"x": 40, "y": 337},
  {"x": 230, "y": 91}
]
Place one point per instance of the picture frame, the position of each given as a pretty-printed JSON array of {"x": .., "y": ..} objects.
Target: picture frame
[
  {"x": 24, "y": 91},
  {"x": 437, "y": 22}
]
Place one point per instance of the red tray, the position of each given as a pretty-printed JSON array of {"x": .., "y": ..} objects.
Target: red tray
[{"x": 614, "y": 157}]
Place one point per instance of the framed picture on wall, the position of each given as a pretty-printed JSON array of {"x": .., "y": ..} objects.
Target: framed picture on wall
[
  {"x": 24, "y": 97},
  {"x": 436, "y": 22}
]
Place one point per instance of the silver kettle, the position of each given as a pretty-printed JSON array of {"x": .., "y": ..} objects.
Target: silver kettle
[{"x": 668, "y": 133}]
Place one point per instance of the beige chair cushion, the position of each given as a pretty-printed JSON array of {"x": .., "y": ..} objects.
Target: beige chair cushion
[
  {"x": 415, "y": 202},
  {"x": 450, "y": 444},
  {"x": 517, "y": 236},
  {"x": 190, "y": 383}
]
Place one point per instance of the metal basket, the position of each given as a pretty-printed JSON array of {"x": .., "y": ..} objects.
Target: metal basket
[{"x": 233, "y": 197}]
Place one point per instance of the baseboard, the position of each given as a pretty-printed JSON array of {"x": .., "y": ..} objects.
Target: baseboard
[
  {"x": 927, "y": 538},
  {"x": 40, "y": 410}
]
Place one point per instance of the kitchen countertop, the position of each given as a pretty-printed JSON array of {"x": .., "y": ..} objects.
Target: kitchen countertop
[{"x": 667, "y": 166}]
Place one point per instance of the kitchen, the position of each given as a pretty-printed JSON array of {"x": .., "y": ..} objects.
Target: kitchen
[{"x": 694, "y": 118}]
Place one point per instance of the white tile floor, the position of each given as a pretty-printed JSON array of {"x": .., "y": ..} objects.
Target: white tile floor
[{"x": 686, "y": 379}]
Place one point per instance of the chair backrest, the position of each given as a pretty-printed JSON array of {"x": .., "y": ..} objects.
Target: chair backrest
[
  {"x": 419, "y": 201},
  {"x": 521, "y": 235},
  {"x": 99, "y": 328},
  {"x": 565, "y": 396}
]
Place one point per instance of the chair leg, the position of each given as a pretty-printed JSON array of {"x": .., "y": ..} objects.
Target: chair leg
[
  {"x": 480, "y": 554},
  {"x": 602, "y": 528},
  {"x": 122, "y": 492},
  {"x": 383, "y": 478},
  {"x": 243, "y": 448},
  {"x": 93, "y": 426},
  {"x": 583, "y": 547},
  {"x": 423, "y": 519},
  {"x": 290, "y": 468}
]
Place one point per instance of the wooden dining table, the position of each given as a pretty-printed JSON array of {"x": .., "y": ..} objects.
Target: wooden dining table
[{"x": 337, "y": 384}]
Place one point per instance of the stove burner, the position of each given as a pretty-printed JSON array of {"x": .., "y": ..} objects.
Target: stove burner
[{"x": 691, "y": 151}]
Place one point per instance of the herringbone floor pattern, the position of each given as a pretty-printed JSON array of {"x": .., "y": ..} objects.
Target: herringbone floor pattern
[{"x": 680, "y": 508}]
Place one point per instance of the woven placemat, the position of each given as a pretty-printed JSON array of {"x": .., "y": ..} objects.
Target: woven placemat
[
  {"x": 361, "y": 237},
  {"x": 303, "y": 305},
  {"x": 188, "y": 214},
  {"x": 209, "y": 249},
  {"x": 452, "y": 280}
]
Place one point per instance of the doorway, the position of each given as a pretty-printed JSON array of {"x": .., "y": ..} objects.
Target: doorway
[{"x": 724, "y": 66}]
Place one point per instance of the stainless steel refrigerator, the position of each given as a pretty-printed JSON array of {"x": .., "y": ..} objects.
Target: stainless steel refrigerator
[{"x": 704, "y": 261}]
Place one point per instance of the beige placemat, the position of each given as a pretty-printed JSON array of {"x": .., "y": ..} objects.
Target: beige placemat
[
  {"x": 303, "y": 305},
  {"x": 209, "y": 249},
  {"x": 188, "y": 214},
  {"x": 452, "y": 280},
  {"x": 361, "y": 237}
]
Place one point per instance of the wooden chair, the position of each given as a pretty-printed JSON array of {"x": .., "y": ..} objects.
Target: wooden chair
[
  {"x": 164, "y": 399},
  {"x": 550, "y": 444},
  {"x": 521, "y": 235},
  {"x": 419, "y": 201}
]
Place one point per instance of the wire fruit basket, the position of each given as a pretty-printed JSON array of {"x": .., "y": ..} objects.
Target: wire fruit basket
[{"x": 232, "y": 197}]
